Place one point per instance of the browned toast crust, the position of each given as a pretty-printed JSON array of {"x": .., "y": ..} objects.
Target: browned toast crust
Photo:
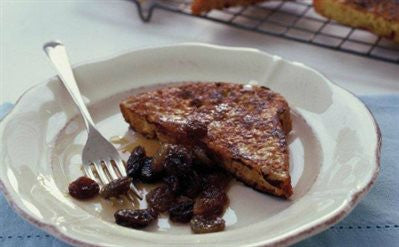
[
  {"x": 378, "y": 16},
  {"x": 244, "y": 127},
  {"x": 200, "y": 6}
]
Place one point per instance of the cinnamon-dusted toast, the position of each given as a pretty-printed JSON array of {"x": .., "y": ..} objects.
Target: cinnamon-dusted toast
[
  {"x": 378, "y": 16},
  {"x": 200, "y": 6},
  {"x": 244, "y": 128}
]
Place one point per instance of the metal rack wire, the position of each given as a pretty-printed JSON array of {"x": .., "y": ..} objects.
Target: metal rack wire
[{"x": 293, "y": 20}]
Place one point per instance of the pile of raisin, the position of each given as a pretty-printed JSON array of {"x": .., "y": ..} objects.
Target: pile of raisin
[{"x": 193, "y": 190}]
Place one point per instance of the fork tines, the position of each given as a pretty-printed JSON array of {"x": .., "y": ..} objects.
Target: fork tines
[{"x": 107, "y": 171}]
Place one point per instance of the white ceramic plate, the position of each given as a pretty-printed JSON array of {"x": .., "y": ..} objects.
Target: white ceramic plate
[{"x": 334, "y": 148}]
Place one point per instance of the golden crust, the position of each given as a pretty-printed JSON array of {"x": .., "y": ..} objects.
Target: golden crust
[
  {"x": 200, "y": 6},
  {"x": 243, "y": 126},
  {"x": 378, "y": 16}
]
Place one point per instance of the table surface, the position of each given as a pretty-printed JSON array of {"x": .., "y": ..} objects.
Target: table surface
[{"x": 94, "y": 29}]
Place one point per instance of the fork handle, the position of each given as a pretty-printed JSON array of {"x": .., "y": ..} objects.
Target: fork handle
[{"x": 57, "y": 54}]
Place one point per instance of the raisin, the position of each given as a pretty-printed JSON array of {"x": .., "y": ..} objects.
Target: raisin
[
  {"x": 116, "y": 187},
  {"x": 135, "y": 162},
  {"x": 83, "y": 188},
  {"x": 177, "y": 167},
  {"x": 148, "y": 174},
  {"x": 173, "y": 183},
  {"x": 201, "y": 224},
  {"x": 178, "y": 161},
  {"x": 160, "y": 198},
  {"x": 216, "y": 180},
  {"x": 182, "y": 211},
  {"x": 211, "y": 202},
  {"x": 192, "y": 184},
  {"x": 138, "y": 218}
]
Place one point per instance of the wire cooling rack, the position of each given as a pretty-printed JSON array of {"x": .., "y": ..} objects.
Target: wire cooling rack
[{"x": 293, "y": 20}]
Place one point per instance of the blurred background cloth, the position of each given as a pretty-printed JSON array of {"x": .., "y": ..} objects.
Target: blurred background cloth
[{"x": 374, "y": 222}]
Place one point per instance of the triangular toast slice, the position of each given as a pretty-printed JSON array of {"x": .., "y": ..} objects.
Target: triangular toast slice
[
  {"x": 242, "y": 127},
  {"x": 200, "y": 6}
]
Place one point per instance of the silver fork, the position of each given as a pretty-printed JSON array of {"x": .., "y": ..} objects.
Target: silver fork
[{"x": 99, "y": 155}]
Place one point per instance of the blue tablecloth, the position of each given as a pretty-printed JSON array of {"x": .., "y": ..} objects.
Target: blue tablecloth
[{"x": 374, "y": 222}]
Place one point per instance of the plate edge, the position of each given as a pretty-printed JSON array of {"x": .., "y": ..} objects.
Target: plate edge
[{"x": 335, "y": 218}]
